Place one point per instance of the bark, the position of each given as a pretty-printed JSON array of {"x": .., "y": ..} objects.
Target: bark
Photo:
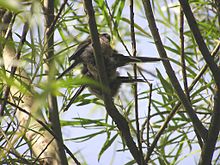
[{"x": 42, "y": 143}]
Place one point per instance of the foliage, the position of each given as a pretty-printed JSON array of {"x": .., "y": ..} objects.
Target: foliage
[{"x": 86, "y": 119}]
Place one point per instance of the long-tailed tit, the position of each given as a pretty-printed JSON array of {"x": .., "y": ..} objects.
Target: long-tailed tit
[{"x": 84, "y": 55}]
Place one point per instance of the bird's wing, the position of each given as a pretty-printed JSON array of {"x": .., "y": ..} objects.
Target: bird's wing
[
  {"x": 68, "y": 69},
  {"x": 78, "y": 92},
  {"x": 80, "y": 49}
]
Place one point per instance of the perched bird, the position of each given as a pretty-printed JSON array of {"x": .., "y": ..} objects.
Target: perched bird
[
  {"x": 113, "y": 60},
  {"x": 84, "y": 55}
]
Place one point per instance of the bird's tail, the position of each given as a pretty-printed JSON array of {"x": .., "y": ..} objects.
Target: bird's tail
[
  {"x": 126, "y": 79},
  {"x": 122, "y": 60},
  {"x": 149, "y": 59}
]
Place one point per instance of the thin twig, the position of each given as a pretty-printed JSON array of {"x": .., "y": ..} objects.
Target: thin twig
[
  {"x": 148, "y": 116},
  {"x": 147, "y": 121},
  {"x": 51, "y": 28},
  {"x": 42, "y": 152},
  {"x": 182, "y": 53},
  {"x": 214, "y": 129},
  {"x": 78, "y": 92},
  {"x": 134, "y": 53}
]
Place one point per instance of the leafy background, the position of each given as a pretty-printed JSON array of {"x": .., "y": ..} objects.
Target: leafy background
[{"x": 86, "y": 127}]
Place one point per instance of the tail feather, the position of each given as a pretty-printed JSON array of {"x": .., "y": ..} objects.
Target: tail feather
[
  {"x": 149, "y": 59},
  {"x": 124, "y": 79},
  {"x": 121, "y": 60}
]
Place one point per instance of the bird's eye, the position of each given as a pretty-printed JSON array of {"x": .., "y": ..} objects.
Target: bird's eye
[{"x": 106, "y": 35}]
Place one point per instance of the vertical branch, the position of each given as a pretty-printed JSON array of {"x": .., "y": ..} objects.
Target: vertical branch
[
  {"x": 5, "y": 19},
  {"x": 52, "y": 25},
  {"x": 14, "y": 68},
  {"x": 214, "y": 128},
  {"x": 52, "y": 100},
  {"x": 120, "y": 121},
  {"x": 148, "y": 116},
  {"x": 170, "y": 72},
  {"x": 134, "y": 53},
  {"x": 147, "y": 121},
  {"x": 36, "y": 135},
  {"x": 182, "y": 53}
]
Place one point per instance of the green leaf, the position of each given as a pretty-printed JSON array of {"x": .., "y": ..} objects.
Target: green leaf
[
  {"x": 179, "y": 150},
  {"x": 137, "y": 27},
  {"x": 86, "y": 137},
  {"x": 12, "y": 5},
  {"x": 166, "y": 86},
  {"x": 84, "y": 122},
  {"x": 106, "y": 145},
  {"x": 103, "y": 7},
  {"x": 120, "y": 8}
]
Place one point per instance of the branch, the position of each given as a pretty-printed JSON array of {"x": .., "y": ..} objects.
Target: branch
[
  {"x": 52, "y": 25},
  {"x": 134, "y": 53},
  {"x": 120, "y": 121},
  {"x": 115, "y": 28},
  {"x": 170, "y": 72},
  {"x": 52, "y": 100},
  {"x": 209, "y": 147},
  {"x": 33, "y": 132},
  {"x": 184, "y": 73},
  {"x": 177, "y": 106},
  {"x": 200, "y": 41}
]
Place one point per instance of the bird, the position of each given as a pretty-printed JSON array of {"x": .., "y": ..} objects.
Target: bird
[
  {"x": 113, "y": 60},
  {"x": 84, "y": 55}
]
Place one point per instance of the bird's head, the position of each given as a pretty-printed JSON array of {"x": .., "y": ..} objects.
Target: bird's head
[{"x": 105, "y": 36}]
